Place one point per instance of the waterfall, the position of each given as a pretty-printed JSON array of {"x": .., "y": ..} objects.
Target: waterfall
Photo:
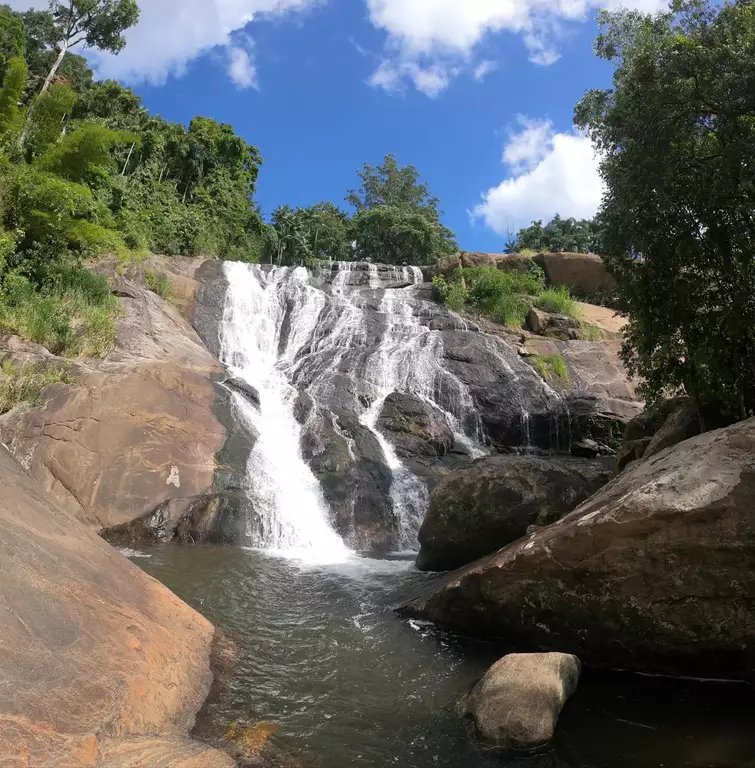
[
  {"x": 292, "y": 514},
  {"x": 348, "y": 336}
]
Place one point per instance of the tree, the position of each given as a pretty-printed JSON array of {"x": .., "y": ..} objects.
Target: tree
[
  {"x": 677, "y": 137},
  {"x": 559, "y": 236},
  {"x": 93, "y": 23},
  {"x": 14, "y": 83},
  {"x": 390, "y": 184},
  {"x": 12, "y": 37},
  {"x": 396, "y": 235},
  {"x": 397, "y": 218}
]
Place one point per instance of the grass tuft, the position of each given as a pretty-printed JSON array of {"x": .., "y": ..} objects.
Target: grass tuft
[
  {"x": 159, "y": 283},
  {"x": 551, "y": 367},
  {"x": 24, "y": 385},
  {"x": 558, "y": 301}
]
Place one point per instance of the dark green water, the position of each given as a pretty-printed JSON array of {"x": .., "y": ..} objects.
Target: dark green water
[{"x": 322, "y": 656}]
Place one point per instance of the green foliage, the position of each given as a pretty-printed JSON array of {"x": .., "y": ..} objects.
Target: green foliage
[
  {"x": 504, "y": 296},
  {"x": 558, "y": 236},
  {"x": 677, "y": 137},
  {"x": 397, "y": 220},
  {"x": 72, "y": 314},
  {"x": 558, "y": 301},
  {"x": 453, "y": 293},
  {"x": 45, "y": 118},
  {"x": 552, "y": 368},
  {"x": 14, "y": 82},
  {"x": 24, "y": 385},
  {"x": 400, "y": 235},
  {"x": 590, "y": 332},
  {"x": 85, "y": 151},
  {"x": 159, "y": 283},
  {"x": 391, "y": 185},
  {"x": 12, "y": 38}
]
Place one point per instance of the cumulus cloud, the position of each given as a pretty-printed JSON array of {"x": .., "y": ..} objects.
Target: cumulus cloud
[
  {"x": 171, "y": 33},
  {"x": 549, "y": 173},
  {"x": 447, "y": 32}
]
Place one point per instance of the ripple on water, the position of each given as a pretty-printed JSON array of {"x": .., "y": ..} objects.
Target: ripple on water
[{"x": 323, "y": 656}]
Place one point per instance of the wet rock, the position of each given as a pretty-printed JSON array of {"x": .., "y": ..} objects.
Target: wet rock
[
  {"x": 417, "y": 428},
  {"x": 246, "y": 389},
  {"x": 517, "y": 703},
  {"x": 209, "y": 306},
  {"x": 105, "y": 665},
  {"x": 347, "y": 460},
  {"x": 481, "y": 507},
  {"x": 585, "y": 449},
  {"x": 653, "y": 573}
]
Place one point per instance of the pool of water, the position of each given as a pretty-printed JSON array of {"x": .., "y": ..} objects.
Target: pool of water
[{"x": 327, "y": 670}]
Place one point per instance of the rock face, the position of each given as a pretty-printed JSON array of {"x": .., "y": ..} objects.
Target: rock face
[
  {"x": 101, "y": 665},
  {"x": 517, "y": 703},
  {"x": 137, "y": 430},
  {"x": 556, "y": 326},
  {"x": 652, "y": 573},
  {"x": 484, "y": 506}
]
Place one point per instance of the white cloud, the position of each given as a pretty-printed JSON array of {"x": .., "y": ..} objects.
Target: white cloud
[
  {"x": 445, "y": 33},
  {"x": 241, "y": 68},
  {"x": 171, "y": 33},
  {"x": 390, "y": 77},
  {"x": 549, "y": 173},
  {"x": 483, "y": 69}
]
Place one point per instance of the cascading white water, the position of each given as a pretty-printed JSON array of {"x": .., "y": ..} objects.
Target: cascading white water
[
  {"x": 337, "y": 334},
  {"x": 293, "y": 516}
]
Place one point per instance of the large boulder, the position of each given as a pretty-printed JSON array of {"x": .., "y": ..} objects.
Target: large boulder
[
  {"x": 481, "y": 507},
  {"x": 584, "y": 274},
  {"x": 101, "y": 665},
  {"x": 652, "y": 573},
  {"x": 517, "y": 703},
  {"x": 137, "y": 429}
]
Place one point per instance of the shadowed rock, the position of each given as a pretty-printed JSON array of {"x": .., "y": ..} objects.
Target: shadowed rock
[
  {"x": 480, "y": 508},
  {"x": 652, "y": 573}
]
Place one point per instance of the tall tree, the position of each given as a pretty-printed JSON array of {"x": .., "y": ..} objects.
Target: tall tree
[
  {"x": 93, "y": 23},
  {"x": 677, "y": 137},
  {"x": 390, "y": 184}
]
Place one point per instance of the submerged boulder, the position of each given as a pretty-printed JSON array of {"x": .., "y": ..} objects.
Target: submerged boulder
[
  {"x": 101, "y": 664},
  {"x": 517, "y": 703},
  {"x": 481, "y": 507},
  {"x": 652, "y": 573}
]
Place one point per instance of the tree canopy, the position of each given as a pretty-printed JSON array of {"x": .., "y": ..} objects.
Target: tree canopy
[
  {"x": 558, "y": 236},
  {"x": 677, "y": 137}
]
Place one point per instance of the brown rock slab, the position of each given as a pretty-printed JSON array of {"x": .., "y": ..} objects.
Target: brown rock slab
[
  {"x": 100, "y": 664},
  {"x": 652, "y": 573},
  {"x": 137, "y": 430}
]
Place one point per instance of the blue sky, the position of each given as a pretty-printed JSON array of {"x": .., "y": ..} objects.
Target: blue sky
[{"x": 478, "y": 94}]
